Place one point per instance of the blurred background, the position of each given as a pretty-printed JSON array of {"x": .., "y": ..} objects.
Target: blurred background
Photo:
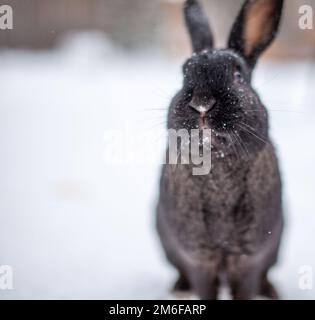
[
  {"x": 39, "y": 24},
  {"x": 72, "y": 225}
]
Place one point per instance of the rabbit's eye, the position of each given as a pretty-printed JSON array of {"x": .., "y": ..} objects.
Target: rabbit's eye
[{"x": 238, "y": 75}]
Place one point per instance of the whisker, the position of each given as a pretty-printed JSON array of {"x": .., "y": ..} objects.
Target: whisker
[
  {"x": 268, "y": 81},
  {"x": 243, "y": 143},
  {"x": 159, "y": 137},
  {"x": 239, "y": 140},
  {"x": 154, "y": 109},
  {"x": 230, "y": 136},
  {"x": 162, "y": 123},
  {"x": 253, "y": 134},
  {"x": 275, "y": 110}
]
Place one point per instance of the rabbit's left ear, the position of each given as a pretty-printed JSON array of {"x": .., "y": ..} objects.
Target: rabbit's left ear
[{"x": 255, "y": 28}]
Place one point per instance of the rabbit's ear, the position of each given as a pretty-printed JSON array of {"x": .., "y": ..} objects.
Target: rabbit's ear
[
  {"x": 255, "y": 28},
  {"x": 198, "y": 26}
]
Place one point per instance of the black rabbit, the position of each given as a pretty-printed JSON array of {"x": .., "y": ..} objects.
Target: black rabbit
[{"x": 226, "y": 224}]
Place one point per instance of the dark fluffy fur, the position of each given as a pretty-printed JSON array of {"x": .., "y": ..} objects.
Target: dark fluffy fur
[{"x": 228, "y": 223}]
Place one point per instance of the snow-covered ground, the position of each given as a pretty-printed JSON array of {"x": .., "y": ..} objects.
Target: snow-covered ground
[{"x": 74, "y": 226}]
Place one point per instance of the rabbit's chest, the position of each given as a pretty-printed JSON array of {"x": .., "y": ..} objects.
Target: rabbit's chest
[{"x": 211, "y": 212}]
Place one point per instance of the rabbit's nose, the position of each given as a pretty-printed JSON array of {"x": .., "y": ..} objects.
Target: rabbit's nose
[{"x": 204, "y": 107}]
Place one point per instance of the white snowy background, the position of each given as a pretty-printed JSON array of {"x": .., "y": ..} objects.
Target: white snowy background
[{"x": 73, "y": 226}]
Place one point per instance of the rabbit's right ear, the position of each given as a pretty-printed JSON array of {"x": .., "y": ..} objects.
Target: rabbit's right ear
[{"x": 198, "y": 26}]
